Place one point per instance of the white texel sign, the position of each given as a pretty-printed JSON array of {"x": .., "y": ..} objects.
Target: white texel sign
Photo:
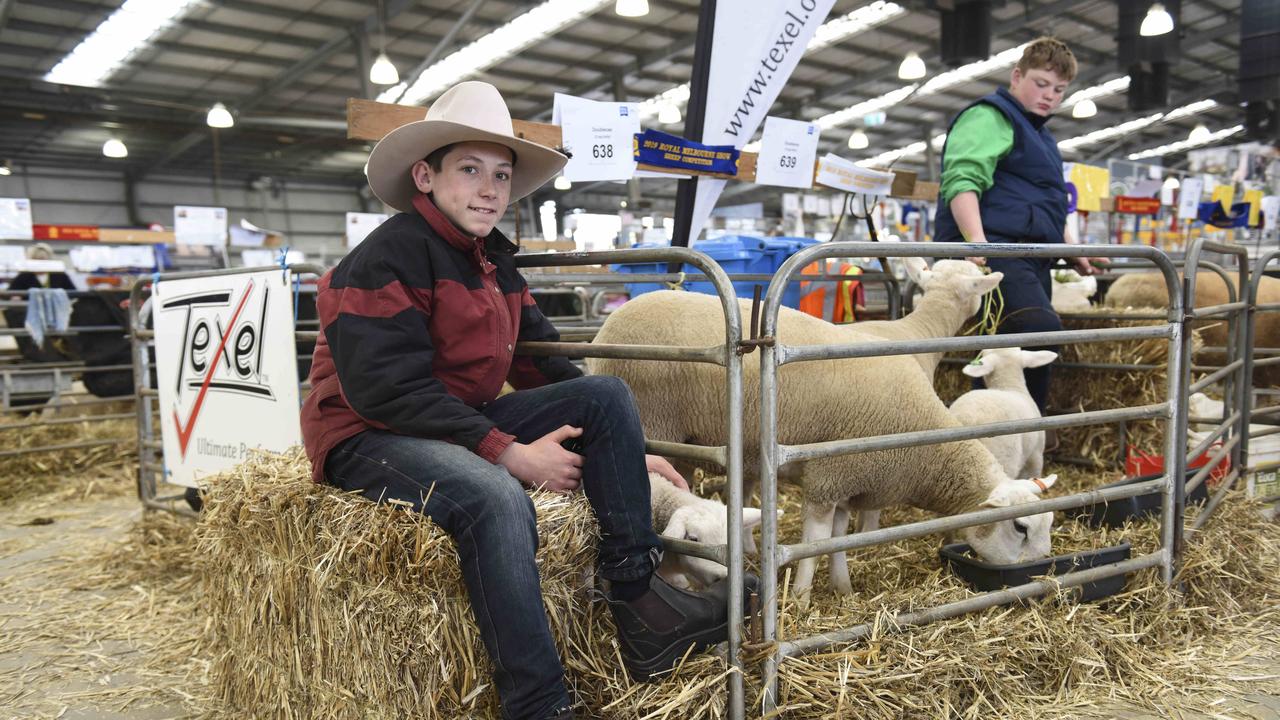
[{"x": 227, "y": 369}]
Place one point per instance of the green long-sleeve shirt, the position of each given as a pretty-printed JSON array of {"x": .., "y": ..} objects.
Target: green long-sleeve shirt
[{"x": 980, "y": 138}]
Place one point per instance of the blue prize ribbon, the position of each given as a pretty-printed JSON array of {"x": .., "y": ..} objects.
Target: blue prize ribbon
[{"x": 665, "y": 150}]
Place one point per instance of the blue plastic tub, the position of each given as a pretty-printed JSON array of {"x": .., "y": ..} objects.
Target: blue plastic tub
[
  {"x": 737, "y": 254},
  {"x": 778, "y": 251},
  {"x": 637, "y": 289}
]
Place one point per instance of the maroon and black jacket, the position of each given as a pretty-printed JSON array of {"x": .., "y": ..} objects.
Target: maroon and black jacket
[{"x": 418, "y": 324}]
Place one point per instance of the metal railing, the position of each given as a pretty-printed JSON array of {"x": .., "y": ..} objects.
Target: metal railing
[
  {"x": 774, "y": 454},
  {"x": 1248, "y": 466}
]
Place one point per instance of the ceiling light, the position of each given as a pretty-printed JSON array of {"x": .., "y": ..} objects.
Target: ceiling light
[
  {"x": 1186, "y": 144},
  {"x": 219, "y": 117},
  {"x": 562, "y": 183},
  {"x": 113, "y": 148},
  {"x": 622, "y": 203},
  {"x": 669, "y": 114},
  {"x": 632, "y": 8},
  {"x": 1172, "y": 183},
  {"x": 1084, "y": 109},
  {"x": 115, "y": 40},
  {"x": 383, "y": 71},
  {"x": 858, "y": 140},
  {"x": 1198, "y": 134},
  {"x": 6, "y": 168},
  {"x": 1157, "y": 22},
  {"x": 506, "y": 41},
  {"x": 912, "y": 67}
]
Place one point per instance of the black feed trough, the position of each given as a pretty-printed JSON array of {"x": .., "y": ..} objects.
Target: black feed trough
[
  {"x": 1114, "y": 513},
  {"x": 985, "y": 576}
]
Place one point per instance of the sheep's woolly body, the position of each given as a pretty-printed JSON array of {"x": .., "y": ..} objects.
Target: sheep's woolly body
[
  {"x": 1147, "y": 290},
  {"x": 818, "y": 401},
  {"x": 1005, "y": 398},
  {"x": 940, "y": 312}
]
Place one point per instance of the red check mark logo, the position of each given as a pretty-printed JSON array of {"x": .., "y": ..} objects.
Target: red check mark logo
[{"x": 184, "y": 434}]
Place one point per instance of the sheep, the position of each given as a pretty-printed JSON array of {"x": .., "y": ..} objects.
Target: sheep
[
  {"x": 683, "y": 515},
  {"x": 1006, "y": 398},
  {"x": 1071, "y": 291},
  {"x": 1147, "y": 290},
  {"x": 953, "y": 292},
  {"x": 821, "y": 401}
]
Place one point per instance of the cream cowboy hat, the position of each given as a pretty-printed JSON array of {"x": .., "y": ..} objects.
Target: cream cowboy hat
[{"x": 467, "y": 112}]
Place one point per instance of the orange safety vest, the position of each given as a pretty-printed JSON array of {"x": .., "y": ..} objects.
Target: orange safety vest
[{"x": 836, "y": 306}]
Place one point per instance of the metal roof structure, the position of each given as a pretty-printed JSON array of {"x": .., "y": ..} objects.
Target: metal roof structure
[{"x": 286, "y": 69}]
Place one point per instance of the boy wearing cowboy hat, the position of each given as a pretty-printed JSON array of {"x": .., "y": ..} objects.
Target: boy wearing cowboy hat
[{"x": 419, "y": 324}]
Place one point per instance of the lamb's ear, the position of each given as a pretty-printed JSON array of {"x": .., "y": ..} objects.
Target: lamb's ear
[
  {"x": 1037, "y": 358},
  {"x": 1039, "y": 485},
  {"x": 918, "y": 270},
  {"x": 996, "y": 499},
  {"x": 750, "y": 517},
  {"x": 984, "y": 284},
  {"x": 978, "y": 368}
]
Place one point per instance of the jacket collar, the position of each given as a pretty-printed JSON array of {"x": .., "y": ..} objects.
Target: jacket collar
[
  {"x": 452, "y": 234},
  {"x": 1037, "y": 121}
]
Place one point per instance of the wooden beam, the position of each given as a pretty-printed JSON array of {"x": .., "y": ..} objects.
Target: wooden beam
[{"x": 371, "y": 120}]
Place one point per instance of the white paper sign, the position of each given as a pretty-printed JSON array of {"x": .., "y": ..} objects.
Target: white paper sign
[
  {"x": 836, "y": 172},
  {"x": 359, "y": 225},
  {"x": 600, "y": 136},
  {"x": 1270, "y": 208},
  {"x": 227, "y": 369},
  {"x": 11, "y": 256},
  {"x": 1189, "y": 198},
  {"x": 787, "y": 150},
  {"x": 15, "y": 219},
  {"x": 197, "y": 225}
]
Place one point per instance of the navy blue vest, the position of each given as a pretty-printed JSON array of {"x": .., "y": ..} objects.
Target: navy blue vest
[{"x": 1028, "y": 201}]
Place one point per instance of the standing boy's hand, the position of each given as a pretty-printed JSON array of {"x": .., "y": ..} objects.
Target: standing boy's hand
[{"x": 544, "y": 463}]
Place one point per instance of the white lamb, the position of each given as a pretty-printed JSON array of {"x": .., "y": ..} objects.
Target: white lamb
[
  {"x": 821, "y": 401},
  {"x": 953, "y": 292},
  {"x": 1071, "y": 291},
  {"x": 1006, "y": 398},
  {"x": 683, "y": 515}
]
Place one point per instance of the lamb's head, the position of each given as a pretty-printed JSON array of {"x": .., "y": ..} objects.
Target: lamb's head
[
  {"x": 993, "y": 360},
  {"x": 1018, "y": 539},
  {"x": 704, "y": 522},
  {"x": 963, "y": 282}
]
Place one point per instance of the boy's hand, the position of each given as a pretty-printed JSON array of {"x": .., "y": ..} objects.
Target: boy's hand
[
  {"x": 659, "y": 464},
  {"x": 544, "y": 463}
]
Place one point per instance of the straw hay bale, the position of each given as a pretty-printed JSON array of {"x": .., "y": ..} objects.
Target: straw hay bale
[
  {"x": 43, "y": 472},
  {"x": 324, "y": 605}
]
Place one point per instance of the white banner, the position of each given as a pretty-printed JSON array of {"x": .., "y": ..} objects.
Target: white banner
[
  {"x": 198, "y": 225},
  {"x": 752, "y": 55},
  {"x": 841, "y": 174},
  {"x": 227, "y": 369},
  {"x": 15, "y": 219}
]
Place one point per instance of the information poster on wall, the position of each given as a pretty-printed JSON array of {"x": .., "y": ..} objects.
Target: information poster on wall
[
  {"x": 599, "y": 136},
  {"x": 199, "y": 225},
  {"x": 227, "y": 370},
  {"x": 15, "y": 219},
  {"x": 359, "y": 225},
  {"x": 787, "y": 151}
]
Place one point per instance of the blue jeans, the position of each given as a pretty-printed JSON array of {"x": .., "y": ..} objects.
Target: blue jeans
[{"x": 491, "y": 518}]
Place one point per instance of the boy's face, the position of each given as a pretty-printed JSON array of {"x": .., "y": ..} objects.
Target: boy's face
[
  {"x": 473, "y": 186},
  {"x": 1039, "y": 91}
]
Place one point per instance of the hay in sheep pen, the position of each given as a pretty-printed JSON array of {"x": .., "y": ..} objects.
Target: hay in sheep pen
[
  {"x": 1077, "y": 389},
  {"x": 324, "y": 605},
  {"x": 1147, "y": 646},
  {"x": 98, "y": 468}
]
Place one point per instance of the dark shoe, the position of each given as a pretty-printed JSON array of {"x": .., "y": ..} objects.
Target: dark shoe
[
  {"x": 563, "y": 714},
  {"x": 656, "y": 629}
]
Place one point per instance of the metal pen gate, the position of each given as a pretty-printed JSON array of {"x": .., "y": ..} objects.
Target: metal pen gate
[{"x": 774, "y": 455}]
